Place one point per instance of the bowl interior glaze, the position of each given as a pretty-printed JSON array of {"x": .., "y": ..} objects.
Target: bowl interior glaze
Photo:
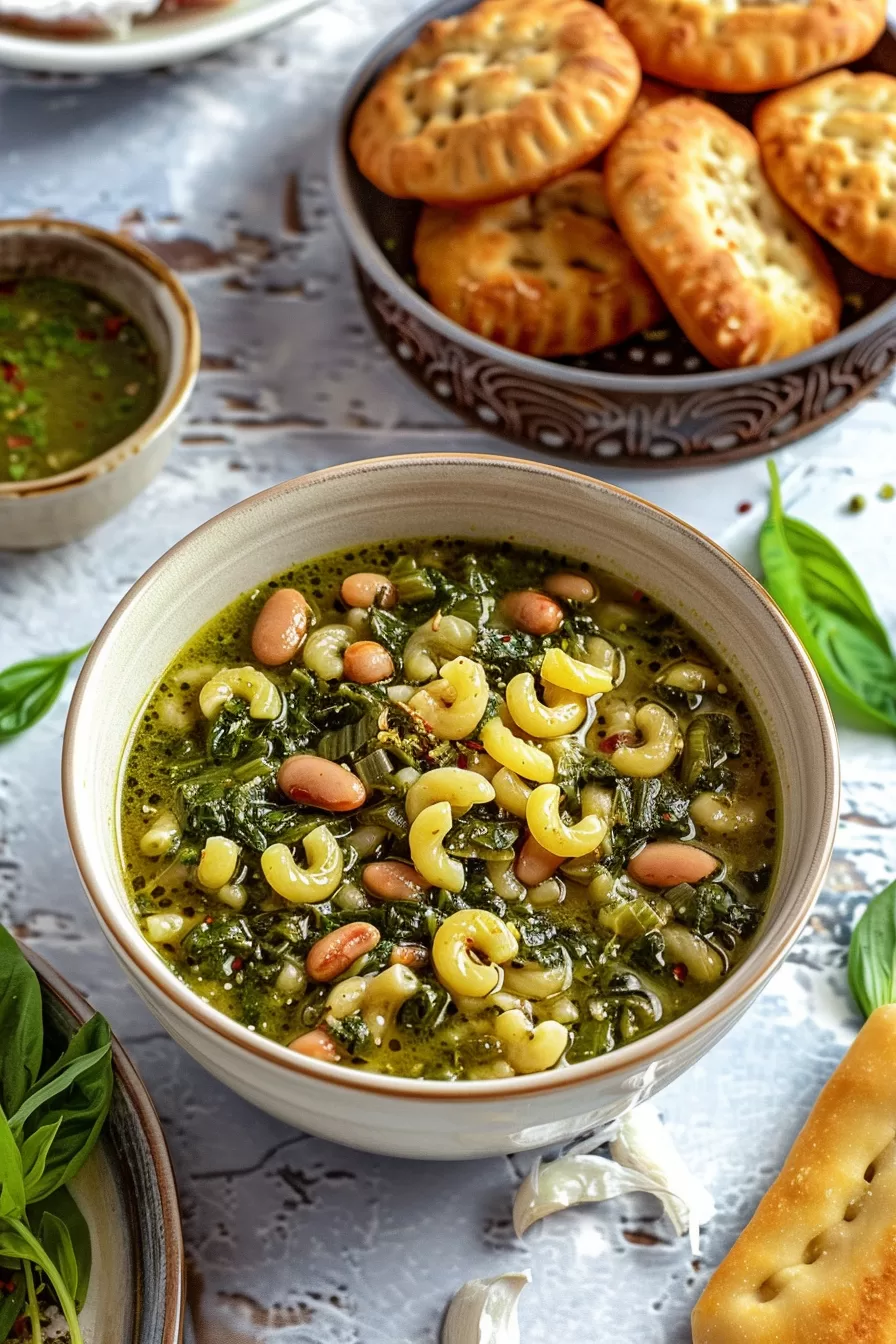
[{"x": 664, "y": 353}]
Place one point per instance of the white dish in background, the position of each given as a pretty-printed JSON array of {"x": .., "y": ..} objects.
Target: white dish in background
[{"x": 154, "y": 42}]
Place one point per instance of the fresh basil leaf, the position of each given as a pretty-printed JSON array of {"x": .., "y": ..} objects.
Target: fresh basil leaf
[
  {"x": 61, "y": 1204},
  {"x": 21, "y": 1024},
  {"x": 77, "y": 1090},
  {"x": 17, "y": 1240},
  {"x": 872, "y": 953},
  {"x": 824, "y": 600},
  {"x": 12, "y": 1181},
  {"x": 56, "y": 1241},
  {"x": 11, "y": 1303},
  {"x": 29, "y": 689},
  {"x": 35, "y": 1151}
]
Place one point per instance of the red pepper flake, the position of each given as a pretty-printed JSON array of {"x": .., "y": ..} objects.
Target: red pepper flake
[
  {"x": 505, "y": 639},
  {"x": 680, "y": 971},
  {"x": 461, "y": 761},
  {"x": 84, "y": 334},
  {"x": 10, "y": 371},
  {"x": 474, "y": 746},
  {"x": 19, "y": 440},
  {"x": 745, "y": 506},
  {"x": 637, "y": 595},
  {"x": 623, "y": 739},
  {"x": 208, "y": 920},
  {"x": 112, "y": 325},
  {"x": 666, "y": 816},
  {"x": 237, "y": 964}
]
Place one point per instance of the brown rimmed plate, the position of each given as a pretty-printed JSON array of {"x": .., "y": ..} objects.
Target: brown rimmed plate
[
  {"x": 651, "y": 401},
  {"x": 128, "y": 1195}
]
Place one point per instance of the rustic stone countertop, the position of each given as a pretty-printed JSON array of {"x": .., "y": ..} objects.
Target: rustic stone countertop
[{"x": 220, "y": 167}]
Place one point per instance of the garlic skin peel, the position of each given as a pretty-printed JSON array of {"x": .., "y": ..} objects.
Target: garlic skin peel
[
  {"x": 484, "y": 1311},
  {"x": 642, "y": 1143}
]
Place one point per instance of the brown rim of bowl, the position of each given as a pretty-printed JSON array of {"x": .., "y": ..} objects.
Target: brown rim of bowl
[
  {"x": 754, "y": 969},
  {"x": 169, "y": 407},
  {"x": 370, "y": 257},
  {"x": 127, "y": 1077}
]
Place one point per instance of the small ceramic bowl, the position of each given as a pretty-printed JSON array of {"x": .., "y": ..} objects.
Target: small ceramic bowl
[
  {"x": 474, "y": 497},
  {"x": 651, "y": 401},
  {"x": 57, "y": 509},
  {"x": 127, "y": 1193}
]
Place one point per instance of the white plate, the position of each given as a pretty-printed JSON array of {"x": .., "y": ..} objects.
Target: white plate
[{"x": 152, "y": 42}]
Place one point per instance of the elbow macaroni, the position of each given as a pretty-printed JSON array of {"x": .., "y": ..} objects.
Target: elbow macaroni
[
  {"x": 522, "y": 758},
  {"x": 529, "y": 1049},
  {"x": 248, "y": 684},
  {"x": 324, "y": 649},
  {"x": 459, "y": 788},
  {"x": 531, "y": 980},
  {"x": 572, "y": 675},
  {"x": 386, "y": 993},
  {"x": 661, "y": 744},
  {"x": 538, "y": 720},
  {"x": 162, "y": 836},
  {"x": 511, "y": 792},
  {"x": 553, "y": 834},
  {"x": 434, "y": 641},
  {"x": 217, "y": 862},
  {"x": 454, "y": 705},
  {"x": 425, "y": 838},
  {"x": 310, "y": 885},
  {"x": 466, "y": 932}
]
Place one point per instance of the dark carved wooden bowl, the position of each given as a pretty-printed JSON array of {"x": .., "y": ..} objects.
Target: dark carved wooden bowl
[{"x": 653, "y": 400}]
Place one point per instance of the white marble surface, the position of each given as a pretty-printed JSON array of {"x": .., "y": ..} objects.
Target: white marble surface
[{"x": 293, "y": 1240}]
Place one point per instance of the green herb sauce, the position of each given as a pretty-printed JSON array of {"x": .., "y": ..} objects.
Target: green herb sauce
[
  {"x": 77, "y": 375},
  {"x": 219, "y": 777}
]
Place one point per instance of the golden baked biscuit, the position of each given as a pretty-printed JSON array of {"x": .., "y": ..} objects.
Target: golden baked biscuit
[
  {"x": 547, "y": 274},
  {"x": 745, "y": 46},
  {"x": 816, "y": 1264},
  {"x": 829, "y": 148},
  {"x": 746, "y": 281},
  {"x": 496, "y": 102}
]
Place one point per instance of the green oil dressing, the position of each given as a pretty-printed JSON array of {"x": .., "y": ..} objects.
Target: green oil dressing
[
  {"x": 77, "y": 375},
  {"x": 218, "y": 777}
]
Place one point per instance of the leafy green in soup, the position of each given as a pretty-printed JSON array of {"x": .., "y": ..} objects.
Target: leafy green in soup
[
  {"x": 448, "y": 810},
  {"x": 77, "y": 375}
]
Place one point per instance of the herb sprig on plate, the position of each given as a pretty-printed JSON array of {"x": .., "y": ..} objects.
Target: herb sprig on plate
[{"x": 51, "y": 1114}]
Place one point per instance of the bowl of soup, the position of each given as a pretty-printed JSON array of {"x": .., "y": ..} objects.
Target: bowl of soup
[
  {"x": 99, "y": 350},
  {"x": 446, "y": 806}
]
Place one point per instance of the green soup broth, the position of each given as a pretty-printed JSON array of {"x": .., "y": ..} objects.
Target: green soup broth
[
  {"x": 77, "y": 376},
  {"x": 620, "y": 957}
]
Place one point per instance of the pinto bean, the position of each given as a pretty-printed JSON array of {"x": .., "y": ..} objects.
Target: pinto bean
[
  {"x": 390, "y": 880},
  {"x": 534, "y": 613},
  {"x": 280, "y": 627},
  {"x": 317, "y": 1044},
  {"x": 368, "y": 590},
  {"x": 571, "y": 587},
  {"x": 320, "y": 783},
  {"x": 413, "y": 955},
  {"x": 366, "y": 662},
  {"x": 332, "y": 955},
  {"x": 665, "y": 863},
  {"x": 535, "y": 864}
]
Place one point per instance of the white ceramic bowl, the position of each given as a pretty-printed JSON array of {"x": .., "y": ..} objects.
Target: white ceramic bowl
[
  {"x": 475, "y": 497},
  {"x": 57, "y": 509}
]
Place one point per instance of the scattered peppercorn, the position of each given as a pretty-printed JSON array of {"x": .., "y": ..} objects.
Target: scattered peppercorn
[
  {"x": 887, "y": 491},
  {"x": 856, "y": 504},
  {"x": 744, "y": 506}
]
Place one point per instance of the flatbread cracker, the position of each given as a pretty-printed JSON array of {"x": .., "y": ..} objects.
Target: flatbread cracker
[
  {"x": 496, "y": 102},
  {"x": 547, "y": 274},
  {"x": 745, "y": 279},
  {"x": 816, "y": 1264},
  {"x": 746, "y": 46},
  {"x": 829, "y": 148}
]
